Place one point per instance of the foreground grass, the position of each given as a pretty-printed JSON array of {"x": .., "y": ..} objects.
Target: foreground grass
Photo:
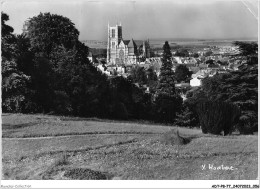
[{"x": 139, "y": 155}]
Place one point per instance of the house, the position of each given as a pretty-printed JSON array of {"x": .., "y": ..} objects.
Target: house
[
  {"x": 103, "y": 69},
  {"x": 213, "y": 66},
  {"x": 145, "y": 66},
  {"x": 195, "y": 82},
  {"x": 178, "y": 59},
  {"x": 190, "y": 60},
  {"x": 194, "y": 69},
  {"x": 203, "y": 66},
  {"x": 200, "y": 73}
]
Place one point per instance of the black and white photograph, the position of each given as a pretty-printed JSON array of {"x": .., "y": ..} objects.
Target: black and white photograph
[{"x": 137, "y": 92}]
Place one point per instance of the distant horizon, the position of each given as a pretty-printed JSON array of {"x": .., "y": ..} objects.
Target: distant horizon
[{"x": 195, "y": 39}]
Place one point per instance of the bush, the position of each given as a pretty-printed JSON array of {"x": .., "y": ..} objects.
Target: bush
[
  {"x": 246, "y": 125},
  {"x": 217, "y": 116},
  {"x": 63, "y": 159}
]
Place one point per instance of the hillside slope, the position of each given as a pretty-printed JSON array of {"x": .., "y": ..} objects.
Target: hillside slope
[{"x": 52, "y": 147}]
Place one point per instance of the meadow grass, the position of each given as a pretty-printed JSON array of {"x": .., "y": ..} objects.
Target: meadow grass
[
  {"x": 120, "y": 156},
  {"x": 44, "y": 125},
  {"x": 20, "y": 148}
]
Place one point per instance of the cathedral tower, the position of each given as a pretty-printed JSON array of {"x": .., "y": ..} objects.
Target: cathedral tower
[{"x": 114, "y": 38}]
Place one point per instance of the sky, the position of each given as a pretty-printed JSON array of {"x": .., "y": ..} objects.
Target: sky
[{"x": 142, "y": 19}]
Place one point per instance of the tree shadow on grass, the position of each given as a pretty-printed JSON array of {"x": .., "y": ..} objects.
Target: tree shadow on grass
[
  {"x": 17, "y": 126},
  {"x": 79, "y": 119}
]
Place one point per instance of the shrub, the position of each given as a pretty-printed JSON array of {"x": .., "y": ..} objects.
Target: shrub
[
  {"x": 217, "y": 116},
  {"x": 245, "y": 124},
  {"x": 61, "y": 160}
]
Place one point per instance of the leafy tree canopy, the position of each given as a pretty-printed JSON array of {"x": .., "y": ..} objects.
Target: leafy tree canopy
[
  {"x": 7, "y": 38},
  {"x": 6, "y": 29},
  {"x": 238, "y": 87},
  {"x": 182, "y": 73},
  {"x": 14, "y": 87},
  {"x": 46, "y": 31},
  {"x": 138, "y": 75},
  {"x": 210, "y": 61},
  {"x": 247, "y": 48},
  {"x": 208, "y": 53},
  {"x": 195, "y": 55},
  {"x": 182, "y": 53}
]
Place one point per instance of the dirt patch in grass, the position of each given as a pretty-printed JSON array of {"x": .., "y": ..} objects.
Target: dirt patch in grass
[
  {"x": 62, "y": 160},
  {"x": 17, "y": 126},
  {"x": 85, "y": 174},
  {"x": 174, "y": 138}
]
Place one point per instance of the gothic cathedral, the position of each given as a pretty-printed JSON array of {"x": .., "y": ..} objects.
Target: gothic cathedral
[{"x": 121, "y": 52}]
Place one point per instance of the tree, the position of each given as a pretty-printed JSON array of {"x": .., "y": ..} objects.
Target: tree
[
  {"x": 186, "y": 118},
  {"x": 182, "y": 53},
  {"x": 239, "y": 88},
  {"x": 38, "y": 56},
  {"x": 247, "y": 48},
  {"x": 23, "y": 55},
  {"x": 6, "y": 29},
  {"x": 182, "y": 73},
  {"x": 17, "y": 95},
  {"x": 138, "y": 75},
  {"x": 47, "y": 31},
  {"x": 75, "y": 78},
  {"x": 7, "y": 38},
  {"x": 151, "y": 74},
  {"x": 196, "y": 55},
  {"x": 167, "y": 101},
  {"x": 62, "y": 77},
  {"x": 208, "y": 53},
  {"x": 210, "y": 62},
  {"x": 217, "y": 116},
  {"x": 14, "y": 87},
  {"x": 152, "y": 79}
]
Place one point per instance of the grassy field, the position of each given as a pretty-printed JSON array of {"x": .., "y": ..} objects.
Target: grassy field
[{"x": 53, "y": 147}]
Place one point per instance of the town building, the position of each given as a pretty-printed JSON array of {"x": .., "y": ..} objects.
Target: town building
[
  {"x": 195, "y": 82},
  {"x": 121, "y": 51}
]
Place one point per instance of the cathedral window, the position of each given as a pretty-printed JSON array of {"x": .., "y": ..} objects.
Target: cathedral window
[
  {"x": 113, "y": 45},
  {"x": 113, "y": 33}
]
